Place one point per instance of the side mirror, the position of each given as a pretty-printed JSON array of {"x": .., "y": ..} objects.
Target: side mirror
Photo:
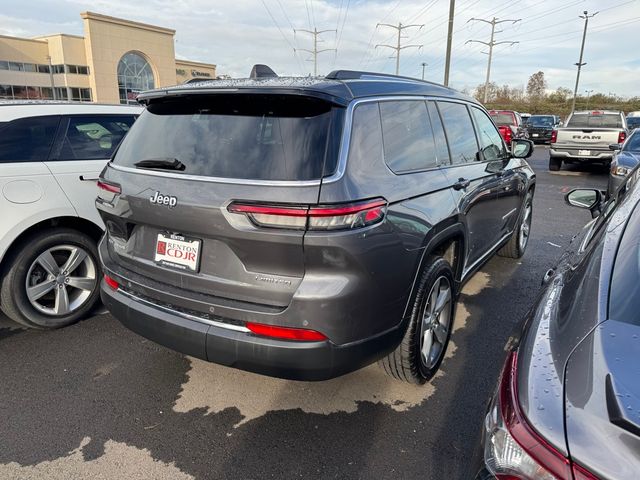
[
  {"x": 588, "y": 198},
  {"x": 521, "y": 148},
  {"x": 615, "y": 146}
]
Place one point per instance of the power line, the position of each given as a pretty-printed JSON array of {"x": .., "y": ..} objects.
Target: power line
[
  {"x": 283, "y": 35},
  {"x": 367, "y": 53},
  {"x": 399, "y": 47},
  {"x": 315, "y": 32},
  {"x": 491, "y": 43}
]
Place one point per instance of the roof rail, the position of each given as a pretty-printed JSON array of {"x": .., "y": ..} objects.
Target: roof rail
[{"x": 357, "y": 75}]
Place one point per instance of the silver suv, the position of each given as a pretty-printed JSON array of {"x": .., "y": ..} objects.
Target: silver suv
[{"x": 306, "y": 227}]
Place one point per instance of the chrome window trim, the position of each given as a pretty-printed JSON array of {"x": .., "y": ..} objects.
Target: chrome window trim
[
  {"x": 213, "y": 323},
  {"x": 342, "y": 155}
]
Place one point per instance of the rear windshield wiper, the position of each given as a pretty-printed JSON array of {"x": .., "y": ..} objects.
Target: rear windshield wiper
[{"x": 161, "y": 163}]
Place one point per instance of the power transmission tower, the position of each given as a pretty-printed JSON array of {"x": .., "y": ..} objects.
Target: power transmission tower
[
  {"x": 398, "y": 47},
  {"x": 315, "y": 32},
  {"x": 492, "y": 43},
  {"x": 586, "y": 17}
]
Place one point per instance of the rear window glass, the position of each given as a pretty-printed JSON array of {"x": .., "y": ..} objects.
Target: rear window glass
[
  {"x": 605, "y": 120},
  {"x": 93, "y": 137},
  {"x": 541, "y": 121},
  {"x": 251, "y": 137},
  {"x": 503, "y": 118}
]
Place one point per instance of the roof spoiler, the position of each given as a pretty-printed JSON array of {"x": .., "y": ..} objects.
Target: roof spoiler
[{"x": 261, "y": 71}]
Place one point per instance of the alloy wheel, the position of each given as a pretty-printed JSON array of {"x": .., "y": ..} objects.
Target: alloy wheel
[
  {"x": 60, "y": 280},
  {"x": 525, "y": 227},
  {"x": 436, "y": 323}
]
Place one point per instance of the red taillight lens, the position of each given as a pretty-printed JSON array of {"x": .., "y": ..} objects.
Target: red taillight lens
[
  {"x": 621, "y": 137},
  {"x": 330, "y": 217},
  {"x": 109, "y": 187},
  {"x": 286, "y": 333},
  {"x": 111, "y": 283},
  {"x": 540, "y": 451},
  {"x": 554, "y": 136}
]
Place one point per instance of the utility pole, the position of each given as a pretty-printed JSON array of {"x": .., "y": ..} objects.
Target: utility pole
[
  {"x": 398, "y": 47},
  {"x": 588, "y": 92},
  {"x": 423, "y": 65},
  {"x": 315, "y": 32},
  {"x": 586, "y": 17},
  {"x": 491, "y": 43},
  {"x": 447, "y": 61}
]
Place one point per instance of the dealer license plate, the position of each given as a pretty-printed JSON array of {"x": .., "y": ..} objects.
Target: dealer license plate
[
  {"x": 585, "y": 153},
  {"x": 177, "y": 251}
]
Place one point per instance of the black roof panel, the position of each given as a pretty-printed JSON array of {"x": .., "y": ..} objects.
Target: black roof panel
[{"x": 340, "y": 86}]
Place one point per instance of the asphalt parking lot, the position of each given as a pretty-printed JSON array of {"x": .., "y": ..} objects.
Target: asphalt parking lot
[{"x": 97, "y": 401}]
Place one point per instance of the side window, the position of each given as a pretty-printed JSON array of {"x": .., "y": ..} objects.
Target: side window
[
  {"x": 93, "y": 137},
  {"x": 27, "y": 139},
  {"x": 491, "y": 144},
  {"x": 442, "y": 150},
  {"x": 407, "y": 136},
  {"x": 460, "y": 133},
  {"x": 365, "y": 146}
]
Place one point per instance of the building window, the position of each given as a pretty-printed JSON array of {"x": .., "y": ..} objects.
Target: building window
[
  {"x": 16, "y": 66},
  {"x": 58, "y": 68},
  {"x": 134, "y": 76},
  {"x": 43, "y": 68},
  {"x": 4, "y": 65},
  {"x": 83, "y": 70},
  {"x": 61, "y": 93}
]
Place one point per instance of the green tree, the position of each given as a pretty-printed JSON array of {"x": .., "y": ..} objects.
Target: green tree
[{"x": 537, "y": 86}]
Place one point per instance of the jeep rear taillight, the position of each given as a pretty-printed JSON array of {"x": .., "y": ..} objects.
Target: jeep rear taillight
[
  {"x": 109, "y": 187},
  {"x": 621, "y": 137},
  {"x": 554, "y": 136},
  {"x": 300, "y": 217}
]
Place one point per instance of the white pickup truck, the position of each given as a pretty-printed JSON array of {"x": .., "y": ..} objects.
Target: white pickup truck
[{"x": 586, "y": 138}]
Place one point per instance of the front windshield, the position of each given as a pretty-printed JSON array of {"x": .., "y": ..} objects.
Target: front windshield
[
  {"x": 632, "y": 144},
  {"x": 633, "y": 122},
  {"x": 542, "y": 121}
]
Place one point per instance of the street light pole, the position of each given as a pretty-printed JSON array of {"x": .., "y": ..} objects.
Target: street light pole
[
  {"x": 423, "y": 65},
  {"x": 588, "y": 92},
  {"x": 580, "y": 64},
  {"x": 447, "y": 61}
]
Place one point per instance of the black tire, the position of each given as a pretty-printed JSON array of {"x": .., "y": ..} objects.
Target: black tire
[
  {"x": 406, "y": 361},
  {"x": 14, "y": 300},
  {"x": 555, "y": 164},
  {"x": 516, "y": 245}
]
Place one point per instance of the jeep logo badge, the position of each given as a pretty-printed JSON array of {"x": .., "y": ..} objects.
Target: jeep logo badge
[{"x": 160, "y": 199}]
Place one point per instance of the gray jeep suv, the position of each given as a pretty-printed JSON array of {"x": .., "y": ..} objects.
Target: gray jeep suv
[{"x": 306, "y": 227}]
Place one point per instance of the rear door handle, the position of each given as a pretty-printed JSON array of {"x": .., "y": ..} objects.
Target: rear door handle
[{"x": 461, "y": 184}]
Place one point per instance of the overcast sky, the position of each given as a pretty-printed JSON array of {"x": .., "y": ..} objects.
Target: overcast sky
[{"x": 235, "y": 34}]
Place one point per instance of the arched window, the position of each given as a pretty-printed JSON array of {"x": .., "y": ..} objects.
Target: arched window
[{"x": 134, "y": 76}]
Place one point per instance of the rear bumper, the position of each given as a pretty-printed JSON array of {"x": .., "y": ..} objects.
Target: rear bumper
[
  {"x": 235, "y": 346},
  {"x": 596, "y": 156}
]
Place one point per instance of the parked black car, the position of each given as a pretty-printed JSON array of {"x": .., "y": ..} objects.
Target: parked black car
[
  {"x": 306, "y": 227},
  {"x": 568, "y": 402},
  {"x": 540, "y": 127}
]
